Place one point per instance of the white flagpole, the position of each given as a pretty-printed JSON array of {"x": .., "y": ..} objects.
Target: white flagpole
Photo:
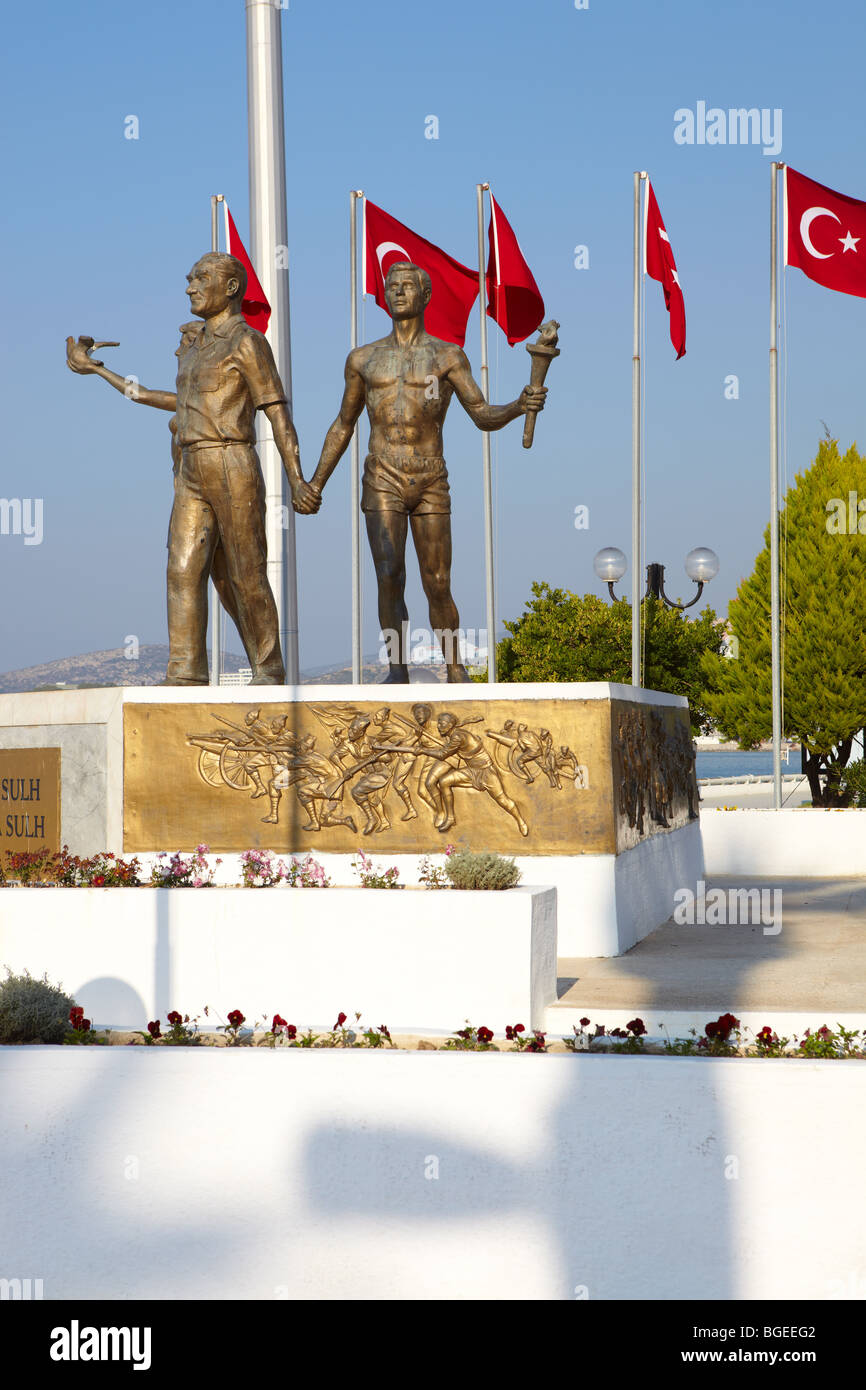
[
  {"x": 216, "y": 640},
  {"x": 775, "y": 644},
  {"x": 489, "y": 564},
  {"x": 636, "y": 558},
  {"x": 269, "y": 254},
  {"x": 356, "y": 448}
]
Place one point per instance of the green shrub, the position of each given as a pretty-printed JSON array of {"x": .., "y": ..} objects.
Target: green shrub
[
  {"x": 32, "y": 1011},
  {"x": 485, "y": 870},
  {"x": 852, "y": 784}
]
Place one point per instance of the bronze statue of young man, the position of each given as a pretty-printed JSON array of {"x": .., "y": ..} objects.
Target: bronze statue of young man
[
  {"x": 225, "y": 374},
  {"x": 406, "y": 382}
]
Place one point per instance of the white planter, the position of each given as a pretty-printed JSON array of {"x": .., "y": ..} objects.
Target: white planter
[{"x": 412, "y": 960}]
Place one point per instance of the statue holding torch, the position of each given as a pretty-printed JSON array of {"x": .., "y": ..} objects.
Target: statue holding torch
[{"x": 542, "y": 352}]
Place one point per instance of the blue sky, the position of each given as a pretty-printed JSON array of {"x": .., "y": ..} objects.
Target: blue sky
[{"x": 555, "y": 107}]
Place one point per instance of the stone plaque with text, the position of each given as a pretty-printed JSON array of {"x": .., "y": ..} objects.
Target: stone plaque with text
[{"x": 29, "y": 799}]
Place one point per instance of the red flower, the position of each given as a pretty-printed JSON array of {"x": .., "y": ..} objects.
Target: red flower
[
  {"x": 765, "y": 1036},
  {"x": 291, "y": 1032},
  {"x": 485, "y": 1035},
  {"x": 584, "y": 1023},
  {"x": 98, "y": 881},
  {"x": 236, "y": 1018},
  {"x": 85, "y": 1025},
  {"x": 384, "y": 1031},
  {"x": 637, "y": 1027},
  {"x": 509, "y": 1033},
  {"x": 153, "y": 1029},
  {"x": 75, "y": 1012},
  {"x": 341, "y": 1019},
  {"x": 278, "y": 1023},
  {"x": 722, "y": 1027},
  {"x": 173, "y": 1018}
]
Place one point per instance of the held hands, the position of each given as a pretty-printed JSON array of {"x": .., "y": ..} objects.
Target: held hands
[
  {"x": 78, "y": 358},
  {"x": 306, "y": 498},
  {"x": 531, "y": 399}
]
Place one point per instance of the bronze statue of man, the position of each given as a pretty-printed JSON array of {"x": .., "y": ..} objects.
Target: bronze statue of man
[
  {"x": 225, "y": 374},
  {"x": 406, "y": 382}
]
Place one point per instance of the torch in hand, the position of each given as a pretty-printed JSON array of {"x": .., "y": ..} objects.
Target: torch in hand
[{"x": 542, "y": 352}]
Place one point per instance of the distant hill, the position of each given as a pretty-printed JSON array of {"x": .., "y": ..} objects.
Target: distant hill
[
  {"x": 99, "y": 669},
  {"x": 113, "y": 668}
]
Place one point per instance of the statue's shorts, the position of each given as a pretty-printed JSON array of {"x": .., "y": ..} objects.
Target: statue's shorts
[{"x": 417, "y": 486}]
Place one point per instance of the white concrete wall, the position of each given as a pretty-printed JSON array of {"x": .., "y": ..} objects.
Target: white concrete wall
[
  {"x": 412, "y": 960},
  {"x": 647, "y": 877},
  {"x": 148, "y": 1173},
  {"x": 797, "y": 843}
]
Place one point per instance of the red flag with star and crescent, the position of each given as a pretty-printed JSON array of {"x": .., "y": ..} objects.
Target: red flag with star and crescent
[
  {"x": 825, "y": 234},
  {"x": 659, "y": 263},
  {"x": 454, "y": 286}
]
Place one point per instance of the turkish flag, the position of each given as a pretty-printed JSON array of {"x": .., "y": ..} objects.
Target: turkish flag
[
  {"x": 659, "y": 263},
  {"x": 455, "y": 287},
  {"x": 255, "y": 307},
  {"x": 823, "y": 232},
  {"x": 513, "y": 298}
]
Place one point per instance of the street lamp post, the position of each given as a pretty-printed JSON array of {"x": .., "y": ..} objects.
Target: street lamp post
[{"x": 701, "y": 566}]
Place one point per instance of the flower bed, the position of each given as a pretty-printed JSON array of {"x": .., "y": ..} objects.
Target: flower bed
[
  {"x": 30, "y": 1011},
  {"x": 259, "y": 868}
]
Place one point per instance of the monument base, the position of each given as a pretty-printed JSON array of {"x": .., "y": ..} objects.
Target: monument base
[{"x": 590, "y": 787}]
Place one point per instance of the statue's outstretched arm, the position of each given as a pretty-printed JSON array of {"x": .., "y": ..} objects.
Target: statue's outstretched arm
[
  {"x": 79, "y": 360},
  {"x": 489, "y": 417}
]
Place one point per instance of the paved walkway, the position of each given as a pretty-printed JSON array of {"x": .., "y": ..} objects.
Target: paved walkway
[{"x": 817, "y": 962}]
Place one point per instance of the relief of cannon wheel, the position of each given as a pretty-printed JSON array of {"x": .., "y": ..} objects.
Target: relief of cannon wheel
[
  {"x": 221, "y": 762},
  {"x": 233, "y": 765},
  {"x": 209, "y": 759}
]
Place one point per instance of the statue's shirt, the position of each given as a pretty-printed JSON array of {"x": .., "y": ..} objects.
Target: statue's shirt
[{"x": 226, "y": 375}]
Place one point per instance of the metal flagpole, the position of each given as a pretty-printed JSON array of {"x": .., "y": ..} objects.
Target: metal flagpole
[
  {"x": 636, "y": 558},
  {"x": 216, "y": 640},
  {"x": 269, "y": 253},
  {"x": 489, "y": 565},
  {"x": 356, "y": 449},
  {"x": 775, "y": 646}
]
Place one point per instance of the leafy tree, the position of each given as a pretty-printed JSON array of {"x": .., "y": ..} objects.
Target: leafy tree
[
  {"x": 563, "y": 637},
  {"x": 823, "y": 588}
]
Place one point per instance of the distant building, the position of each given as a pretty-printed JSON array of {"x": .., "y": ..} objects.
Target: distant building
[
  {"x": 426, "y": 653},
  {"x": 241, "y": 677}
]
